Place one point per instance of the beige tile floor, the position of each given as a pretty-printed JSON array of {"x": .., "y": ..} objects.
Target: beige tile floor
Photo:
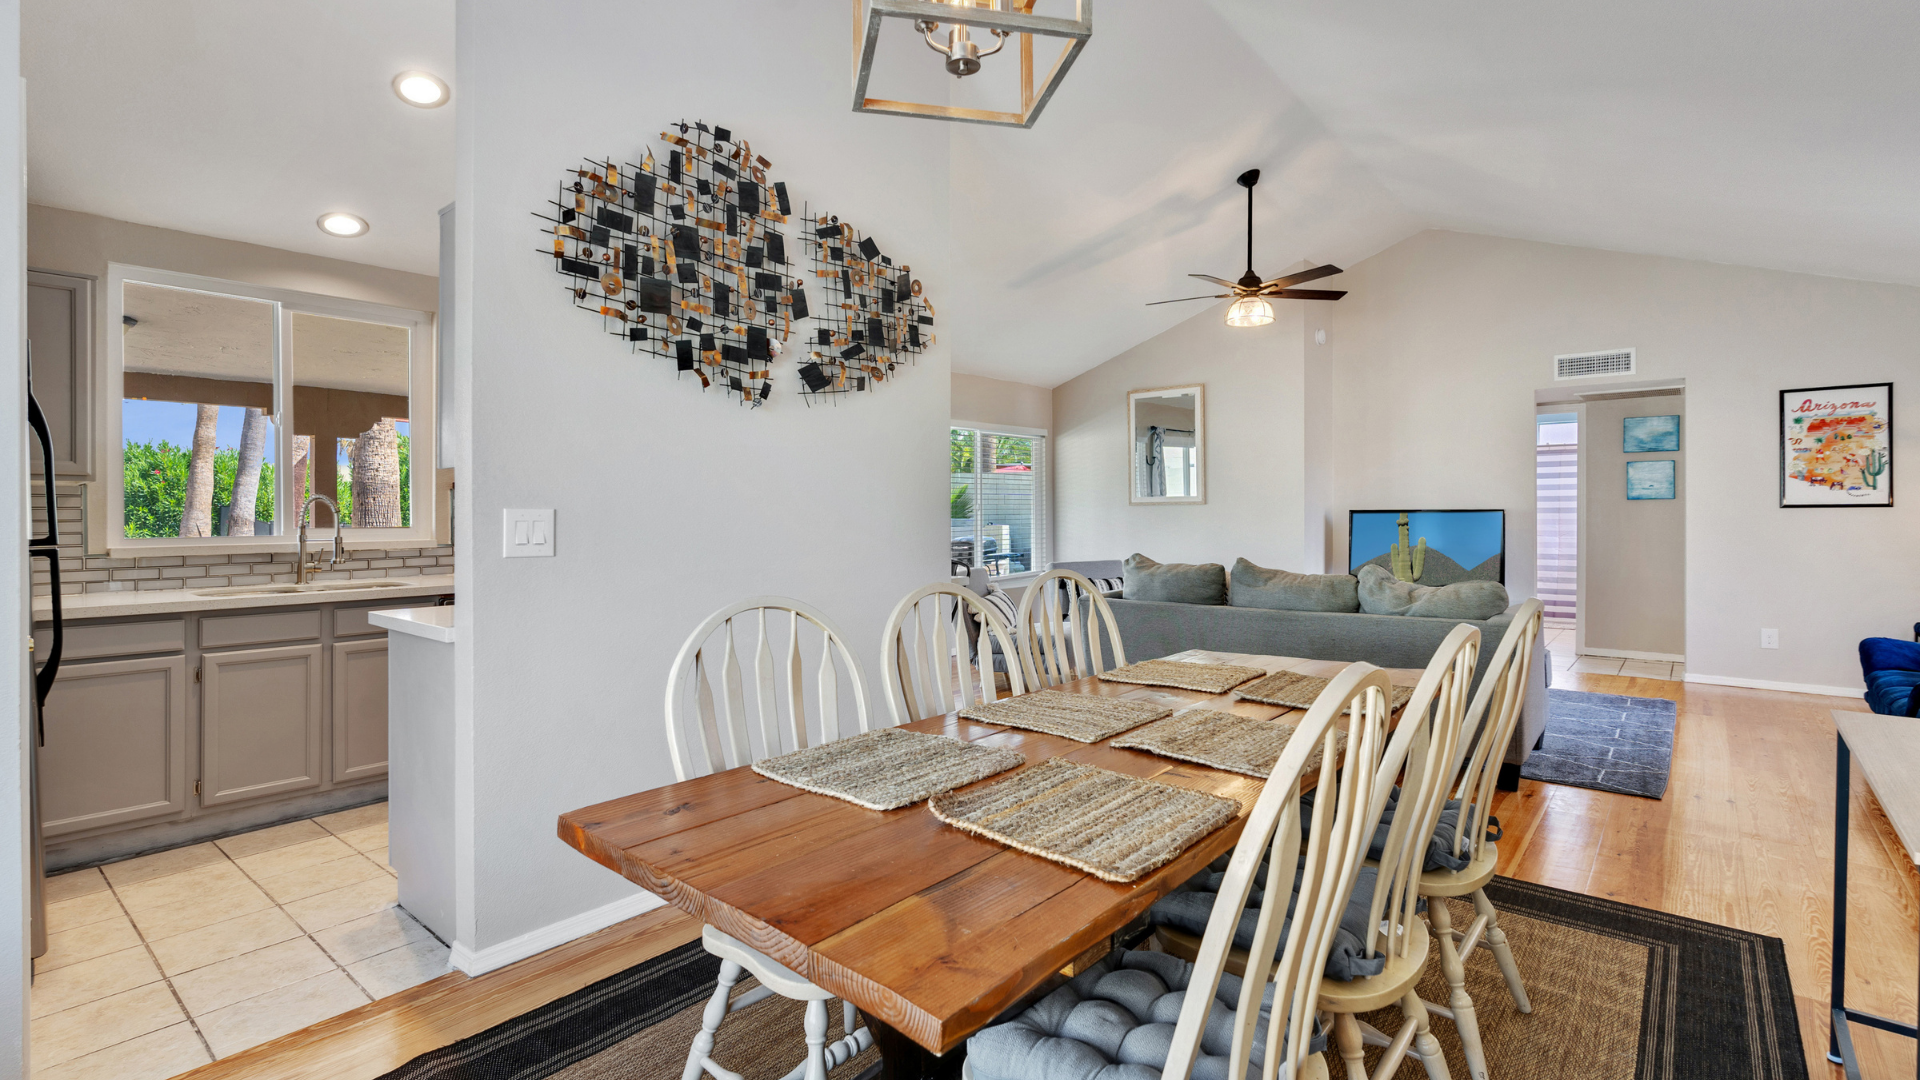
[
  {"x": 1560, "y": 648},
  {"x": 161, "y": 963}
]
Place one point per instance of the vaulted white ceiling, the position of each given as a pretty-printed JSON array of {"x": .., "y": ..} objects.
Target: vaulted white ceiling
[{"x": 1782, "y": 135}]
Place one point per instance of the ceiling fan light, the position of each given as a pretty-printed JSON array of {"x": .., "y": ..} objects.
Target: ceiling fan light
[{"x": 1250, "y": 311}]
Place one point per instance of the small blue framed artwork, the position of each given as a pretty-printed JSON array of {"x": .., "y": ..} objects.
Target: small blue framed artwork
[
  {"x": 1650, "y": 479},
  {"x": 1650, "y": 434}
]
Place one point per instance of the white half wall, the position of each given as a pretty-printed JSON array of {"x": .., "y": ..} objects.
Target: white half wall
[
  {"x": 1257, "y": 383},
  {"x": 1444, "y": 337},
  {"x": 16, "y": 679},
  {"x": 669, "y": 502}
]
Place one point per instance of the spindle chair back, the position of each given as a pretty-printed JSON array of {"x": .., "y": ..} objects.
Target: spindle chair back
[
  {"x": 927, "y": 659},
  {"x": 1334, "y": 841},
  {"x": 1061, "y": 621},
  {"x": 700, "y": 681}
]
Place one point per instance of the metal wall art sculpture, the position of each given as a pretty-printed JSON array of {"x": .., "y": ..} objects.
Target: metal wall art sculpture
[
  {"x": 683, "y": 256},
  {"x": 873, "y": 315}
]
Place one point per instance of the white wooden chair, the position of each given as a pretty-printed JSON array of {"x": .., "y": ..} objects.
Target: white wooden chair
[
  {"x": 727, "y": 741},
  {"x": 925, "y": 654},
  {"x": 1334, "y": 843},
  {"x": 1490, "y": 722},
  {"x": 1424, "y": 753},
  {"x": 1059, "y": 626}
]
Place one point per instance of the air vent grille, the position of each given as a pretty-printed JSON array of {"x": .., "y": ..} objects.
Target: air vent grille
[{"x": 1594, "y": 364}]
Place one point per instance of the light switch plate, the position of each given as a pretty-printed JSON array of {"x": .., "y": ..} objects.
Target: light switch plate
[{"x": 526, "y": 534}]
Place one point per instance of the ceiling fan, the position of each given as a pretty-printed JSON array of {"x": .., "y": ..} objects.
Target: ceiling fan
[{"x": 1249, "y": 308}]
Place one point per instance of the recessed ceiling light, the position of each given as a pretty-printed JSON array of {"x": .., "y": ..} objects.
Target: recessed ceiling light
[
  {"x": 342, "y": 224},
  {"x": 421, "y": 90}
]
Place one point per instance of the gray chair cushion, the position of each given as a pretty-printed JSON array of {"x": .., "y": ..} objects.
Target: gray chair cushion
[
  {"x": 1383, "y": 594},
  {"x": 1440, "y": 854},
  {"x": 1115, "y": 1021},
  {"x": 1174, "y": 583},
  {"x": 1190, "y": 906},
  {"x": 1283, "y": 590}
]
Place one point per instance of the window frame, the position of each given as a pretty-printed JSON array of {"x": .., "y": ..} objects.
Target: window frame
[
  {"x": 421, "y": 426},
  {"x": 1042, "y": 494}
]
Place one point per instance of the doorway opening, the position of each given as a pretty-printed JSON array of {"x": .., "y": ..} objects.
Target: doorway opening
[{"x": 1557, "y": 508}]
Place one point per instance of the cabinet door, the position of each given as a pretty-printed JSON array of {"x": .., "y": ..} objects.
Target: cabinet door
[
  {"x": 259, "y": 722},
  {"x": 60, "y": 327},
  {"x": 359, "y": 710},
  {"x": 116, "y": 746}
]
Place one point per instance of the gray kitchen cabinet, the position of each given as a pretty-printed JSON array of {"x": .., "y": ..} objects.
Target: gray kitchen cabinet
[
  {"x": 260, "y": 722},
  {"x": 116, "y": 749},
  {"x": 359, "y": 709},
  {"x": 60, "y": 328}
]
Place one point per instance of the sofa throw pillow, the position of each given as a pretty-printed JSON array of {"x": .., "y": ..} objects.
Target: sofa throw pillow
[
  {"x": 1002, "y": 604},
  {"x": 1108, "y": 584},
  {"x": 1258, "y": 587},
  {"x": 1383, "y": 594},
  {"x": 1173, "y": 583}
]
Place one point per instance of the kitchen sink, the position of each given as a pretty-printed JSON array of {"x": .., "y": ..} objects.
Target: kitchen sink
[{"x": 310, "y": 587}]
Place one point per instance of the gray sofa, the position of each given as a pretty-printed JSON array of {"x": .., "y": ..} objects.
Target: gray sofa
[{"x": 1149, "y": 629}]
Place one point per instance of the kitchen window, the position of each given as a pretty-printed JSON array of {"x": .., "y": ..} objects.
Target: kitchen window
[
  {"x": 230, "y": 404},
  {"x": 997, "y": 500}
]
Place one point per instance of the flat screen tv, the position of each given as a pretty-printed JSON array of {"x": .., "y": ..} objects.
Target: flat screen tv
[{"x": 1461, "y": 545}]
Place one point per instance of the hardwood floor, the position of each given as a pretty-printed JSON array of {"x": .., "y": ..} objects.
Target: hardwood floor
[{"x": 1743, "y": 838}]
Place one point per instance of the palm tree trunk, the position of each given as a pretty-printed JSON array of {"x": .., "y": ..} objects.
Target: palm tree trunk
[
  {"x": 246, "y": 474},
  {"x": 376, "y": 477},
  {"x": 302, "y": 451},
  {"x": 196, "y": 511}
]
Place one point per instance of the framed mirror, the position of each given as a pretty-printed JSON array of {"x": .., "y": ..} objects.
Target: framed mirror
[{"x": 1167, "y": 434}]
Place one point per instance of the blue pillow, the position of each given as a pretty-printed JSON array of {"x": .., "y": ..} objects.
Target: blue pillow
[
  {"x": 1891, "y": 693},
  {"x": 1888, "y": 654}
]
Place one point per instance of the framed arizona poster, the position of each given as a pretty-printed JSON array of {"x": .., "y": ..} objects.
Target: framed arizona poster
[{"x": 1836, "y": 446}]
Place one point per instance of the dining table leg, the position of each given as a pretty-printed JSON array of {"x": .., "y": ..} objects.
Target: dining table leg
[{"x": 903, "y": 1059}]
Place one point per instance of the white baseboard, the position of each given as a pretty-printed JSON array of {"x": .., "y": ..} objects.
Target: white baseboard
[
  {"x": 1788, "y": 687},
  {"x": 533, "y": 942},
  {"x": 1635, "y": 654}
]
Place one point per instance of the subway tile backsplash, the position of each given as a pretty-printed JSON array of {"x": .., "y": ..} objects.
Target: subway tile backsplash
[{"x": 83, "y": 573}]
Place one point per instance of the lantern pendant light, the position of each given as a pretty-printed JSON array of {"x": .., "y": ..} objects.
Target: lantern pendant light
[{"x": 957, "y": 29}]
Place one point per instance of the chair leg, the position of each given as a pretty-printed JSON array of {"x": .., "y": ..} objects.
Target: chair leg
[
  {"x": 1423, "y": 1041},
  {"x": 816, "y": 1040},
  {"x": 847, "y": 1018},
  {"x": 1352, "y": 1044},
  {"x": 1440, "y": 915},
  {"x": 1497, "y": 941},
  {"x": 716, "y": 1011}
]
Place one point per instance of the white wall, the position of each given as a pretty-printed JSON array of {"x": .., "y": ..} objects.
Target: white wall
[
  {"x": 16, "y": 681},
  {"x": 1633, "y": 552},
  {"x": 980, "y": 400},
  {"x": 1257, "y": 480},
  {"x": 1443, "y": 338},
  {"x": 700, "y": 501}
]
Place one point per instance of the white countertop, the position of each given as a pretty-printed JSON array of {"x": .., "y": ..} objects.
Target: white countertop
[
  {"x": 432, "y": 623},
  {"x": 109, "y": 605}
]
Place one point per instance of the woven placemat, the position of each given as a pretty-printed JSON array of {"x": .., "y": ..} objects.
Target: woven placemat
[
  {"x": 1112, "y": 826},
  {"x": 1206, "y": 678},
  {"x": 1299, "y": 691},
  {"x": 888, "y": 768},
  {"x": 1220, "y": 740},
  {"x": 1086, "y": 718}
]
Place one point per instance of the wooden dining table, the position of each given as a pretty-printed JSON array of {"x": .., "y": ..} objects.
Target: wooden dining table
[{"x": 930, "y": 931}]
